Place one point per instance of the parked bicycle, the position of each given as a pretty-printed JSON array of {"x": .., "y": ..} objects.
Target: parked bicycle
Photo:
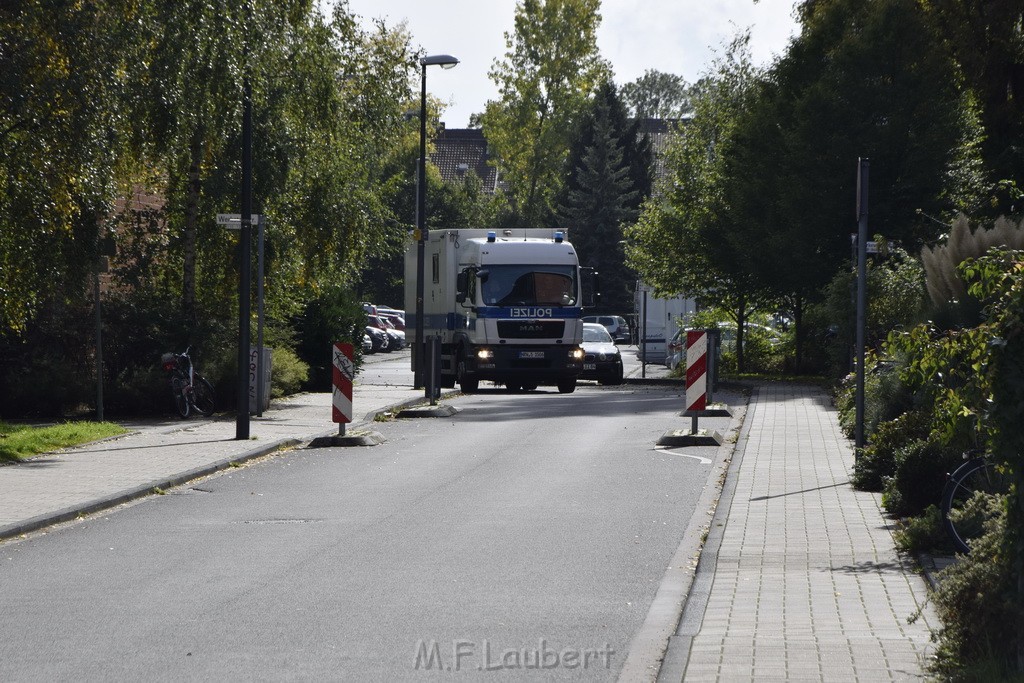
[
  {"x": 971, "y": 497},
  {"x": 190, "y": 390}
]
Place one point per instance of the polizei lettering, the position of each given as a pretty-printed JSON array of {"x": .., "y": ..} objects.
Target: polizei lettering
[{"x": 532, "y": 312}]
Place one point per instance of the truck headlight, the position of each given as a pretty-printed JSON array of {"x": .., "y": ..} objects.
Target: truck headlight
[
  {"x": 576, "y": 353},
  {"x": 484, "y": 354}
]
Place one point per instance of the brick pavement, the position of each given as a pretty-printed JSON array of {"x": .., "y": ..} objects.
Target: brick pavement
[{"x": 800, "y": 579}]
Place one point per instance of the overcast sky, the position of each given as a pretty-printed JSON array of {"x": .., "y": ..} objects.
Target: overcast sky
[{"x": 674, "y": 36}]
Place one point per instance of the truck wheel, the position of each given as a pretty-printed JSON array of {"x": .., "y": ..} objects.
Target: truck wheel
[
  {"x": 469, "y": 384},
  {"x": 567, "y": 386},
  {"x": 529, "y": 386},
  {"x": 513, "y": 387}
]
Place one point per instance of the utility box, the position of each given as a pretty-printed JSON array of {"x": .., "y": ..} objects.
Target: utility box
[{"x": 254, "y": 384}]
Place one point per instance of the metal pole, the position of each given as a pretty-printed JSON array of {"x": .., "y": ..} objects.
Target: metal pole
[
  {"x": 421, "y": 234},
  {"x": 863, "y": 166},
  {"x": 643, "y": 338},
  {"x": 245, "y": 263},
  {"x": 259, "y": 318},
  {"x": 99, "y": 343}
]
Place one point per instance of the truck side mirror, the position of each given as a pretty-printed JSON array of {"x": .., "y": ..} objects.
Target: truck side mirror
[
  {"x": 591, "y": 286},
  {"x": 462, "y": 285},
  {"x": 460, "y": 297}
]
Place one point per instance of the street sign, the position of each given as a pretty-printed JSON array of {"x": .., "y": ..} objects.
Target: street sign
[
  {"x": 233, "y": 221},
  {"x": 872, "y": 246}
]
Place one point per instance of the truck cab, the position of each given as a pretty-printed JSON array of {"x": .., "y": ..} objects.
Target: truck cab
[{"x": 506, "y": 308}]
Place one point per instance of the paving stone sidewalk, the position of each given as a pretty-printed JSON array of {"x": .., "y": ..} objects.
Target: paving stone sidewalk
[{"x": 800, "y": 579}]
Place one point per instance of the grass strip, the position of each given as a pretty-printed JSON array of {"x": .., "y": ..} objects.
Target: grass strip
[{"x": 18, "y": 442}]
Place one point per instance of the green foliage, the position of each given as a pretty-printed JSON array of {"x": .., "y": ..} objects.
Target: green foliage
[
  {"x": 600, "y": 196},
  {"x": 657, "y": 95},
  {"x": 919, "y": 475},
  {"x": 950, "y": 373},
  {"x": 923, "y": 533},
  {"x": 896, "y": 284},
  {"x": 333, "y": 316},
  {"x": 18, "y": 442},
  {"x": 877, "y": 461},
  {"x": 886, "y": 395},
  {"x": 288, "y": 374},
  {"x": 671, "y": 246},
  {"x": 985, "y": 64},
  {"x": 45, "y": 384},
  {"x": 551, "y": 66},
  {"x": 981, "y": 613}
]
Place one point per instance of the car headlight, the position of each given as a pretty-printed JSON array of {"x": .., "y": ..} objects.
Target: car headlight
[{"x": 576, "y": 353}]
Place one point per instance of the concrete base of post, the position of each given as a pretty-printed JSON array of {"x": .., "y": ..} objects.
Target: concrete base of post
[
  {"x": 713, "y": 410},
  {"x": 353, "y": 439},
  {"x": 428, "y": 411},
  {"x": 679, "y": 438}
]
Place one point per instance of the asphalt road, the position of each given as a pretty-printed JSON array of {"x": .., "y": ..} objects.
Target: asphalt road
[{"x": 524, "y": 537}]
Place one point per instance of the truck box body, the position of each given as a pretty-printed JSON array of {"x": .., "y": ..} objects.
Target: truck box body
[
  {"x": 658, "y": 319},
  {"x": 516, "y": 319}
]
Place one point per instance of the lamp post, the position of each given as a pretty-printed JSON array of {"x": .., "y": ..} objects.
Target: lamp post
[{"x": 419, "y": 355}]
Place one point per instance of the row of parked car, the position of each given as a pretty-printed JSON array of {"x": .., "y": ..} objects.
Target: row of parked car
[{"x": 385, "y": 329}]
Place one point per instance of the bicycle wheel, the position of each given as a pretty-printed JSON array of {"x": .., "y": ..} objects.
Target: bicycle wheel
[
  {"x": 971, "y": 498},
  {"x": 180, "y": 399},
  {"x": 203, "y": 396}
]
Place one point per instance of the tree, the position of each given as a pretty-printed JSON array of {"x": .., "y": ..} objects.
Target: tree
[
  {"x": 861, "y": 80},
  {"x": 984, "y": 36},
  {"x": 66, "y": 132},
  {"x": 551, "y": 66},
  {"x": 608, "y": 175},
  {"x": 675, "y": 246},
  {"x": 658, "y": 95}
]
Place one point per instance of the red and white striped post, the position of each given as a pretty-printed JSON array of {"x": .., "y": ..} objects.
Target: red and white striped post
[
  {"x": 696, "y": 373},
  {"x": 341, "y": 378}
]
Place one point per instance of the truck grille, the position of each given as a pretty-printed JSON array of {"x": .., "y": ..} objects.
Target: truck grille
[{"x": 530, "y": 329}]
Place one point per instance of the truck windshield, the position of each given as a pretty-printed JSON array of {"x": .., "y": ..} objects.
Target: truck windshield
[{"x": 513, "y": 285}]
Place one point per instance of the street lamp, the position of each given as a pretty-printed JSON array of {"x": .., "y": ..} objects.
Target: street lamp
[{"x": 419, "y": 355}]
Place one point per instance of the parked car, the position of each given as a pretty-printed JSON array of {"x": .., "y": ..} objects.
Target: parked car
[
  {"x": 616, "y": 325},
  {"x": 675, "y": 350},
  {"x": 676, "y": 347},
  {"x": 378, "y": 339},
  {"x": 367, "y": 343},
  {"x": 393, "y": 318},
  {"x": 602, "y": 360},
  {"x": 397, "y": 337}
]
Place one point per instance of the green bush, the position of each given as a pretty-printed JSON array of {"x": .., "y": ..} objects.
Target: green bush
[
  {"x": 334, "y": 316},
  {"x": 878, "y": 459},
  {"x": 981, "y": 614},
  {"x": 140, "y": 391},
  {"x": 924, "y": 533},
  {"x": 289, "y": 374},
  {"x": 46, "y": 386},
  {"x": 886, "y": 396},
  {"x": 920, "y": 473}
]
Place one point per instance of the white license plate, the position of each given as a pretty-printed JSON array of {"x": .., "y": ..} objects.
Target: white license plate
[
  {"x": 590, "y": 366},
  {"x": 531, "y": 354}
]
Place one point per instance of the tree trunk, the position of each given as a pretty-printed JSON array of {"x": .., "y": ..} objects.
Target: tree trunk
[
  {"x": 741, "y": 319},
  {"x": 798, "y": 332},
  {"x": 188, "y": 288}
]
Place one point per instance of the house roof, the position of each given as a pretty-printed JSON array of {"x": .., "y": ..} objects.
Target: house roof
[{"x": 460, "y": 150}]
